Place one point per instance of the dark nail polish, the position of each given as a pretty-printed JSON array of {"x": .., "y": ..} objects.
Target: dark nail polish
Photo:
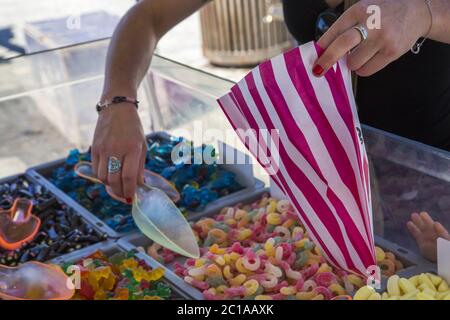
[
  {"x": 317, "y": 70},
  {"x": 129, "y": 200}
]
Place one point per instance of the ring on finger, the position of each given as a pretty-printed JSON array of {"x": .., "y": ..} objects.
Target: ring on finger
[
  {"x": 114, "y": 165},
  {"x": 362, "y": 31}
]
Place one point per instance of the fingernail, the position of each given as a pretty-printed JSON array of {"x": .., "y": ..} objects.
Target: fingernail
[
  {"x": 317, "y": 70},
  {"x": 129, "y": 200}
]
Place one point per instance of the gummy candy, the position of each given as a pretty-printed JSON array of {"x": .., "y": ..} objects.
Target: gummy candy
[
  {"x": 260, "y": 251},
  {"x": 424, "y": 286},
  {"x": 120, "y": 277},
  {"x": 198, "y": 183}
]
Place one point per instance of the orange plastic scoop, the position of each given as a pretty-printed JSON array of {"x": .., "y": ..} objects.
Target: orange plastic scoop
[
  {"x": 84, "y": 170},
  {"x": 34, "y": 281},
  {"x": 18, "y": 225}
]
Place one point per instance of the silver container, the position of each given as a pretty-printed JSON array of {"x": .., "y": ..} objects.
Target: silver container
[{"x": 243, "y": 32}]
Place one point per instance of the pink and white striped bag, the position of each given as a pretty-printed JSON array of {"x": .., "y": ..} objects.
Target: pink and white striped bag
[{"x": 320, "y": 162}]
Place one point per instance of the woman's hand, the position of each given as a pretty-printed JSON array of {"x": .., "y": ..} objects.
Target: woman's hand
[
  {"x": 402, "y": 23},
  {"x": 119, "y": 134}
]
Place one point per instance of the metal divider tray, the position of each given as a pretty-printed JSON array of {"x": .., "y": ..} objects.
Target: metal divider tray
[
  {"x": 110, "y": 248},
  {"x": 413, "y": 263},
  {"x": 41, "y": 174},
  {"x": 85, "y": 217}
]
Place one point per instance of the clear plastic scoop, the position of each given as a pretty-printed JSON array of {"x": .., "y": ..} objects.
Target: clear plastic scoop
[
  {"x": 160, "y": 220},
  {"x": 155, "y": 213},
  {"x": 84, "y": 170},
  {"x": 18, "y": 225},
  {"x": 34, "y": 281}
]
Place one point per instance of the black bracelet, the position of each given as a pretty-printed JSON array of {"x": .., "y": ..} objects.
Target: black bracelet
[{"x": 115, "y": 100}]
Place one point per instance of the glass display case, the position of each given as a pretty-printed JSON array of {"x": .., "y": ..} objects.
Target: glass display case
[{"x": 47, "y": 108}]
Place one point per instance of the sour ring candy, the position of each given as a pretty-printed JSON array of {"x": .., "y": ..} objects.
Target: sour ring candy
[
  {"x": 251, "y": 264},
  {"x": 218, "y": 234},
  {"x": 269, "y": 281},
  {"x": 251, "y": 286},
  {"x": 283, "y": 206}
]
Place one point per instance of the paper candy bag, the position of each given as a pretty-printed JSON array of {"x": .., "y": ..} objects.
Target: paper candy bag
[{"x": 312, "y": 146}]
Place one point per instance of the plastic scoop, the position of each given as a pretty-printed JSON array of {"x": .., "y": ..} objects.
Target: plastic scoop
[
  {"x": 34, "y": 281},
  {"x": 155, "y": 213},
  {"x": 159, "y": 219},
  {"x": 18, "y": 225},
  {"x": 84, "y": 170}
]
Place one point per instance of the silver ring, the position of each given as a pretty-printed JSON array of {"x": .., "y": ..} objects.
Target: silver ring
[
  {"x": 363, "y": 32},
  {"x": 114, "y": 165}
]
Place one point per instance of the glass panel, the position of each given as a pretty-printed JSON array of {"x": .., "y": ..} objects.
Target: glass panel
[
  {"x": 28, "y": 26},
  {"x": 46, "y": 107}
]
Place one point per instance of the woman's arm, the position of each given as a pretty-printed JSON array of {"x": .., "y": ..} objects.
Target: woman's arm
[{"x": 119, "y": 131}]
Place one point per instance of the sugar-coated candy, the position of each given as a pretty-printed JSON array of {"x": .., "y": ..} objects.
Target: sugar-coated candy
[
  {"x": 387, "y": 262},
  {"x": 199, "y": 183},
  {"x": 120, "y": 277},
  {"x": 425, "y": 286},
  {"x": 260, "y": 251},
  {"x": 262, "y": 243}
]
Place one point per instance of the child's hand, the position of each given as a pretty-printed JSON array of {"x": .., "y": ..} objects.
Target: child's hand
[{"x": 426, "y": 231}]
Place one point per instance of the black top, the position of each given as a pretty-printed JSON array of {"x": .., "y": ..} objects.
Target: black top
[{"x": 410, "y": 97}]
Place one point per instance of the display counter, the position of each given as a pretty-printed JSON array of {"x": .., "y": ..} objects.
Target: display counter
[{"x": 47, "y": 109}]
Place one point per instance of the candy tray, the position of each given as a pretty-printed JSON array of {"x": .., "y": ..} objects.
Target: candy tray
[{"x": 110, "y": 248}]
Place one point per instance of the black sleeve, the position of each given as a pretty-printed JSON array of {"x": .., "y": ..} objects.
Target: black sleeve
[{"x": 301, "y": 16}]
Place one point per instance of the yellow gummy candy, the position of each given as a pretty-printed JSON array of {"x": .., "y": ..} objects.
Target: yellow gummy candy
[
  {"x": 405, "y": 285},
  {"x": 436, "y": 280},
  {"x": 234, "y": 256},
  {"x": 384, "y": 296},
  {"x": 199, "y": 262},
  {"x": 238, "y": 280},
  {"x": 301, "y": 243},
  {"x": 272, "y": 207},
  {"x": 355, "y": 280},
  {"x": 324, "y": 267},
  {"x": 240, "y": 266},
  {"x": 263, "y": 297},
  {"x": 380, "y": 254},
  {"x": 424, "y": 296},
  {"x": 227, "y": 273},
  {"x": 374, "y": 296},
  {"x": 287, "y": 291},
  {"x": 429, "y": 292},
  {"x": 251, "y": 286},
  {"x": 273, "y": 219},
  {"x": 244, "y": 234},
  {"x": 443, "y": 286},
  {"x": 288, "y": 223},
  {"x": 447, "y": 297},
  {"x": 216, "y": 249},
  {"x": 221, "y": 289},
  {"x": 220, "y": 261},
  {"x": 269, "y": 247},
  {"x": 423, "y": 278},
  {"x": 305, "y": 295},
  {"x": 414, "y": 280},
  {"x": 425, "y": 286},
  {"x": 410, "y": 295},
  {"x": 392, "y": 286},
  {"x": 363, "y": 293},
  {"x": 442, "y": 295},
  {"x": 337, "y": 289}
]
